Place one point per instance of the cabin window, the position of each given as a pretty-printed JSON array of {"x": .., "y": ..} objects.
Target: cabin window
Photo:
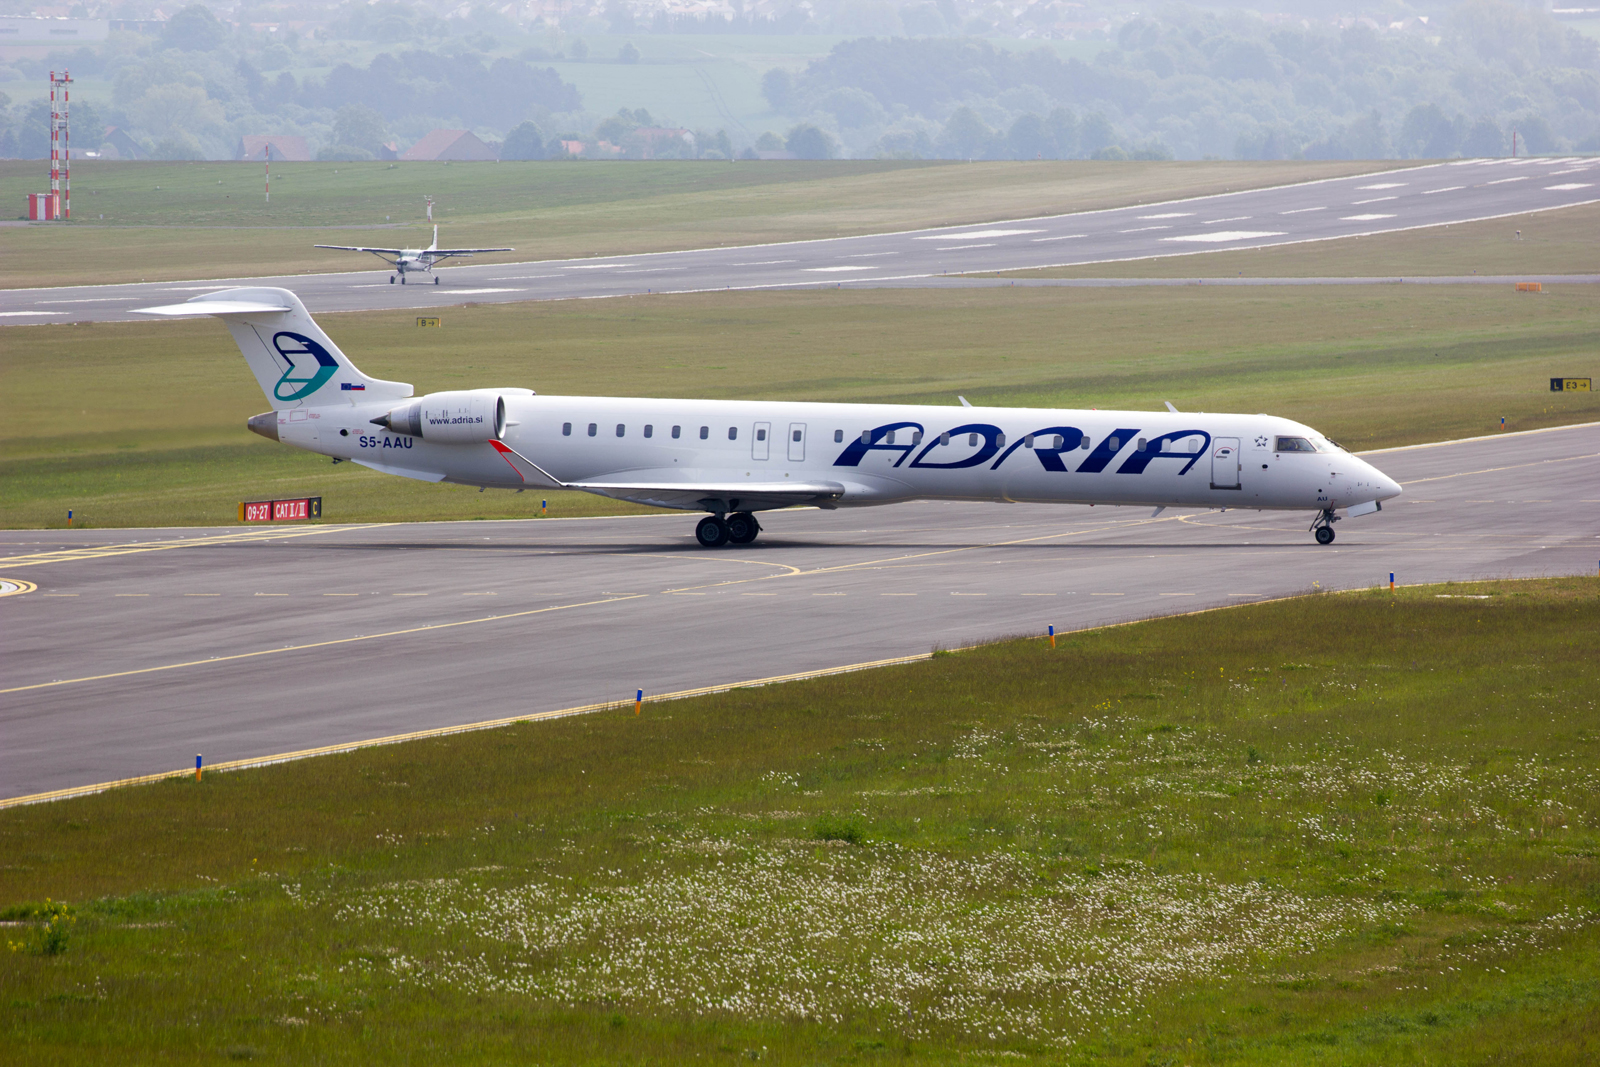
[
  {"x": 1000, "y": 440},
  {"x": 676, "y": 430},
  {"x": 916, "y": 437},
  {"x": 592, "y": 429},
  {"x": 621, "y": 430},
  {"x": 866, "y": 437},
  {"x": 889, "y": 439},
  {"x": 1116, "y": 443},
  {"x": 733, "y": 433},
  {"x": 1083, "y": 442},
  {"x": 705, "y": 432},
  {"x": 944, "y": 438},
  {"x": 566, "y": 429},
  {"x": 1061, "y": 442},
  {"x": 838, "y": 437},
  {"x": 649, "y": 430},
  {"x": 1141, "y": 444},
  {"x": 797, "y": 435},
  {"x": 1027, "y": 442},
  {"x": 1294, "y": 444},
  {"x": 972, "y": 440},
  {"x": 761, "y": 435}
]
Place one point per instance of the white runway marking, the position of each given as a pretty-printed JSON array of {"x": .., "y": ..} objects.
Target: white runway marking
[
  {"x": 474, "y": 292},
  {"x": 12, "y": 313},
  {"x": 651, "y": 270},
  {"x": 1168, "y": 215},
  {"x": 1063, "y": 237},
  {"x": 1303, "y": 210},
  {"x": 1374, "y": 200},
  {"x": 762, "y": 263},
  {"x": 1502, "y": 181},
  {"x": 974, "y": 235},
  {"x": 830, "y": 270},
  {"x": 1236, "y": 218},
  {"x": 1446, "y": 189},
  {"x": 596, "y": 266},
  {"x": 960, "y": 248},
  {"x": 870, "y": 255},
  {"x": 1568, "y": 185},
  {"x": 1144, "y": 229},
  {"x": 1364, "y": 218},
  {"x": 92, "y": 300},
  {"x": 1381, "y": 185},
  {"x": 1226, "y": 235}
]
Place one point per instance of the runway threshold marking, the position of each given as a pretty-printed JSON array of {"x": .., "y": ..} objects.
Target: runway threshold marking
[
  {"x": 68, "y": 555},
  {"x": 319, "y": 644}
]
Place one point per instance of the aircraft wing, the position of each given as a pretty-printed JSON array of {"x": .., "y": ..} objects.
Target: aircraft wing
[
  {"x": 461, "y": 251},
  {"x": 687, "y": 490},
  {"x": 358, "y": 248}
]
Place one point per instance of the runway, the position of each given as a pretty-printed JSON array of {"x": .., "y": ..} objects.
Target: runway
[
  {"x": 1460, "y": 191},
  {"x": 140, "y": 648}
]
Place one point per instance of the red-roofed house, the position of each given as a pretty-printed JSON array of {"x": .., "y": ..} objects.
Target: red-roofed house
[
  {"x": 449, "y": 144},
  {"x": 292, "y": 149}
]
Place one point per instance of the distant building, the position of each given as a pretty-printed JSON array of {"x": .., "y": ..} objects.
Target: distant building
[
  {"x": 389, "y": 150},
  {"x": 655, "y": 136},
  {"x": 122, "y": 145},
  {"x": 283, "y": 147},
  {"x": 450, "y": 145},
  {"x": 29, "y": 30}
]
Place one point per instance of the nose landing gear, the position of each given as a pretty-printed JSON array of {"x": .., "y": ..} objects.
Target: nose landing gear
[
  {"x": 740, "y": 528},
  {"x": 1322, "y": 526}
]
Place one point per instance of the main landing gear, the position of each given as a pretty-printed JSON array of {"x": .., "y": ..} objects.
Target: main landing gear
[
  {"x": 391, "y": 279},
  {"x": 1322, "y": 526},
  {"x": 740, "y": 528},
  {"x": 435, "y": 279}
]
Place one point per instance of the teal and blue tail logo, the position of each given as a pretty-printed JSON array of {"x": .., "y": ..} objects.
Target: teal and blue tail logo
[{"x": 309, "y": 365}]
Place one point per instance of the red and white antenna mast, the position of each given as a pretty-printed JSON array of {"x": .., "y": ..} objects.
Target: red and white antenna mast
[{"x": 60, "y": 147}]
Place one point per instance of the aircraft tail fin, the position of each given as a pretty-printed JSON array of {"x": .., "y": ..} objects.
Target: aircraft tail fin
[
  {"x": 296, "y": 363},
  {"x": 435, "y": 238}
]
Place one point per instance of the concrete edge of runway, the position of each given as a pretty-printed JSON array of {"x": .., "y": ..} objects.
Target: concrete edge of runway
[
  {"x": 589, "y": 709},
  {"x": 848, "y": 236}
]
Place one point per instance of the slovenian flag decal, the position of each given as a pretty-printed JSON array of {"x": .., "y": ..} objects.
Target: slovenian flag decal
[{"x": 349, "y": 388}]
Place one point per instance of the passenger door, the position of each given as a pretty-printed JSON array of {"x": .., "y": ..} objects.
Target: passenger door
[
  {"x": 760, "y": 443},
  {"x": 1225, "y": 463},
  {"x": 797, "y": 442}
]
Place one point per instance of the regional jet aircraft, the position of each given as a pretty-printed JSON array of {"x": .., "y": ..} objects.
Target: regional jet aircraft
[
  {"x": 733, "y": 458},
  {"x": 413, "y": 259}
]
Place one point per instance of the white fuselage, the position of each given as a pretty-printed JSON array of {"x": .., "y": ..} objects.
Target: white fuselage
[{"x": 981, "y": 453}]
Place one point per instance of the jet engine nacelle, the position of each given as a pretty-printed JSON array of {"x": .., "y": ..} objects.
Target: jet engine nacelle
[{"x": 466, "y": 417}]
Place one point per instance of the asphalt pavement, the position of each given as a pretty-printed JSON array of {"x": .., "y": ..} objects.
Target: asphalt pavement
[
  {"x": 140, "y": 648},
  {"x": 1459, "y": 191}
]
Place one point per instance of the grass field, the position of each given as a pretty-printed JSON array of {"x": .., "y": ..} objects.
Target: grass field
[
  {"x": 1550, "y": 242},
  {"x": 1343, "y": 829},
  {"x": 93, "y": 428},
  {"x": 167, "y": 221}
]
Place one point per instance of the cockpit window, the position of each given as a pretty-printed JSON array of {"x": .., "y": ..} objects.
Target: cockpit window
[{"x": 1294, "y": 444}]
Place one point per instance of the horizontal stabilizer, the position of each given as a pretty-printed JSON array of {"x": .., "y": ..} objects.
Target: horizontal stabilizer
[{"x": 214, "y": 307}]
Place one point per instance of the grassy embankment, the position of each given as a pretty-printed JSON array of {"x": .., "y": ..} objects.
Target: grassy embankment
[
  {"x": 1352, "y": 829},
  {"x": 183, "y": 220},
  {"x": 94, "y": 425},
  {"x": 1550, "y": 242}
]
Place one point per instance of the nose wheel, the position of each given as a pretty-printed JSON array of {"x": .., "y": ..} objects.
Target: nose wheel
[{"x": 1322, "y": 526}]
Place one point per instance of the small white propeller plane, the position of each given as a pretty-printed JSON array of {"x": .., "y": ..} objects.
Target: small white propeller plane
[
  {"x": 405, "y": 260},
  {"x": 733, "y": 458}
]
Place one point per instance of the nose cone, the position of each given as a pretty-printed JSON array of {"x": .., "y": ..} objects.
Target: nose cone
[{"x": 1388, "y": 488}]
